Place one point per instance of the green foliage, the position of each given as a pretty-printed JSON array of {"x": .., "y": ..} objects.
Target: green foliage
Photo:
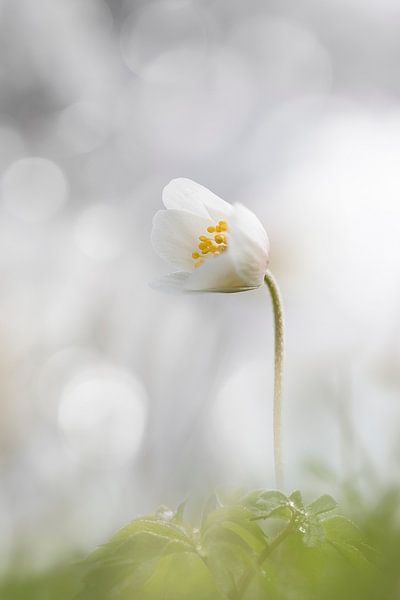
[
  {"x": 261, "y": 545},
  {"x": 60, "y": 583},
  {"x": 252, "y": 546}
]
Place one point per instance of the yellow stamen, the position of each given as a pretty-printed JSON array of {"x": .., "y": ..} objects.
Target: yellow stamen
[{"x": 213, "y": 245}]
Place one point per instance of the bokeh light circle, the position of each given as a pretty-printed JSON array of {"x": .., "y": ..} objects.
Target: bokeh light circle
[
  {"x": 83, "y": 126},
  {"x": 165, "y": 41},
  {"x": 12, "y": 145},
  {"x": 34, "y": 189},
  {"x": 102, "y": 416},
  {"x": 100, "y": 232}
]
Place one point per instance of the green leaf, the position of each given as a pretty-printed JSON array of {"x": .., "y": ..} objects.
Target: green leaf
[
  {"x": 312, "y": 532},
  {"x": 252, "y": 538},
  {"x": 237, "y": 521},
  {"x": 339, "y": 529},
  {"x": 178, "y": 577},
  {"x": 296, "y": 500},
  {"x": 267, "y": 504},
  {"x": 352, "y": 554},
  {"x": 323, "y": 504},
  {"x": 228, "y": 562},
  {"x": 232, "y": 544},
  {"x": 121, "y": 567},
  {"x": 348, "y": 539}
]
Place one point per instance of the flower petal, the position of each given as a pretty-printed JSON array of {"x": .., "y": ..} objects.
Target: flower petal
[
  {"x": 217, "y": 275},
  {"x": 251, "y": 226},
  {"x": 179, "y": 194},
  {"x": 248, "y": 246},
  {"x": 173, "y": 283},
  {"x": 185, "y": 194},
  {"x": 175, "y": 236}
]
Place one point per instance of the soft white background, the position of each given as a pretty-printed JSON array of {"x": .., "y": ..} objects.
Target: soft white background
[{"x": 114, "y": 398}]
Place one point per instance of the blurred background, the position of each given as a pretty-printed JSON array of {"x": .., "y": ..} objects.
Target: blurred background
[{"x": 115, "y": 398}]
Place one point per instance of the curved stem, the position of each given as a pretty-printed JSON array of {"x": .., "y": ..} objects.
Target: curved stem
[
  {"x": 268, "y": 550},
  {"x": 277, "y": 411}
]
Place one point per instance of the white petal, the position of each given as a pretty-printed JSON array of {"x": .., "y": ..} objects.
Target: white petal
[
  {"x": 251, "y": 226},
  {"x": 248, "y": 246},
  {"x": 173, "y": 283},
  {"x": 217, "y": 275},
  {"x": 175, "y": 236},
  {"x": 185, "y": 194},
  {"x": 179, "y": 194}
]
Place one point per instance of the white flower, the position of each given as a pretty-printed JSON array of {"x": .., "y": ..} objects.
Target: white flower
[{"x": 218, "y": 247}]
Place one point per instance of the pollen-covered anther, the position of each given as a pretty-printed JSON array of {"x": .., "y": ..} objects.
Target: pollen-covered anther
[
  {"x": 204, "y": 246},
  {"x": 212, "y": 245}
]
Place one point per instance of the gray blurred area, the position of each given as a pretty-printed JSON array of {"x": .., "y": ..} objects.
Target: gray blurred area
[{"x": 115, "y": 398}]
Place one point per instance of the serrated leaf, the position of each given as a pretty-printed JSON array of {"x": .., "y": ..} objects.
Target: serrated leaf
[
  {"x": 121, "y": 567},
  {"x": 264, "y": 504},
  {"x": 151, "y": 525},
  {"x": 296, "y": 500},
  {"x": 323, "y": 504},
  {"x": 257, "y": 497}
]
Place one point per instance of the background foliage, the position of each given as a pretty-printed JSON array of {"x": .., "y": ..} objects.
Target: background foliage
[{"x": 258, "y": 545}]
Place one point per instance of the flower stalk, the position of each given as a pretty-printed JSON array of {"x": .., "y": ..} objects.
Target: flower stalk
[{"x": 278, "y": 376}]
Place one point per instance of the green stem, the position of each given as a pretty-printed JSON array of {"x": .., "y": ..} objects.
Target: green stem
[
  {"x": 268, "y": 550},
  {"x": 277, "y": 410}
]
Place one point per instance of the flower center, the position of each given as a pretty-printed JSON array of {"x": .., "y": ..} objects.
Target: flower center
[{"x": 211, "y": 245}]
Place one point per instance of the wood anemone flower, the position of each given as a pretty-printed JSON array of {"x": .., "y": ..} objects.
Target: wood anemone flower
[{"x": 217, "y": 246}]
